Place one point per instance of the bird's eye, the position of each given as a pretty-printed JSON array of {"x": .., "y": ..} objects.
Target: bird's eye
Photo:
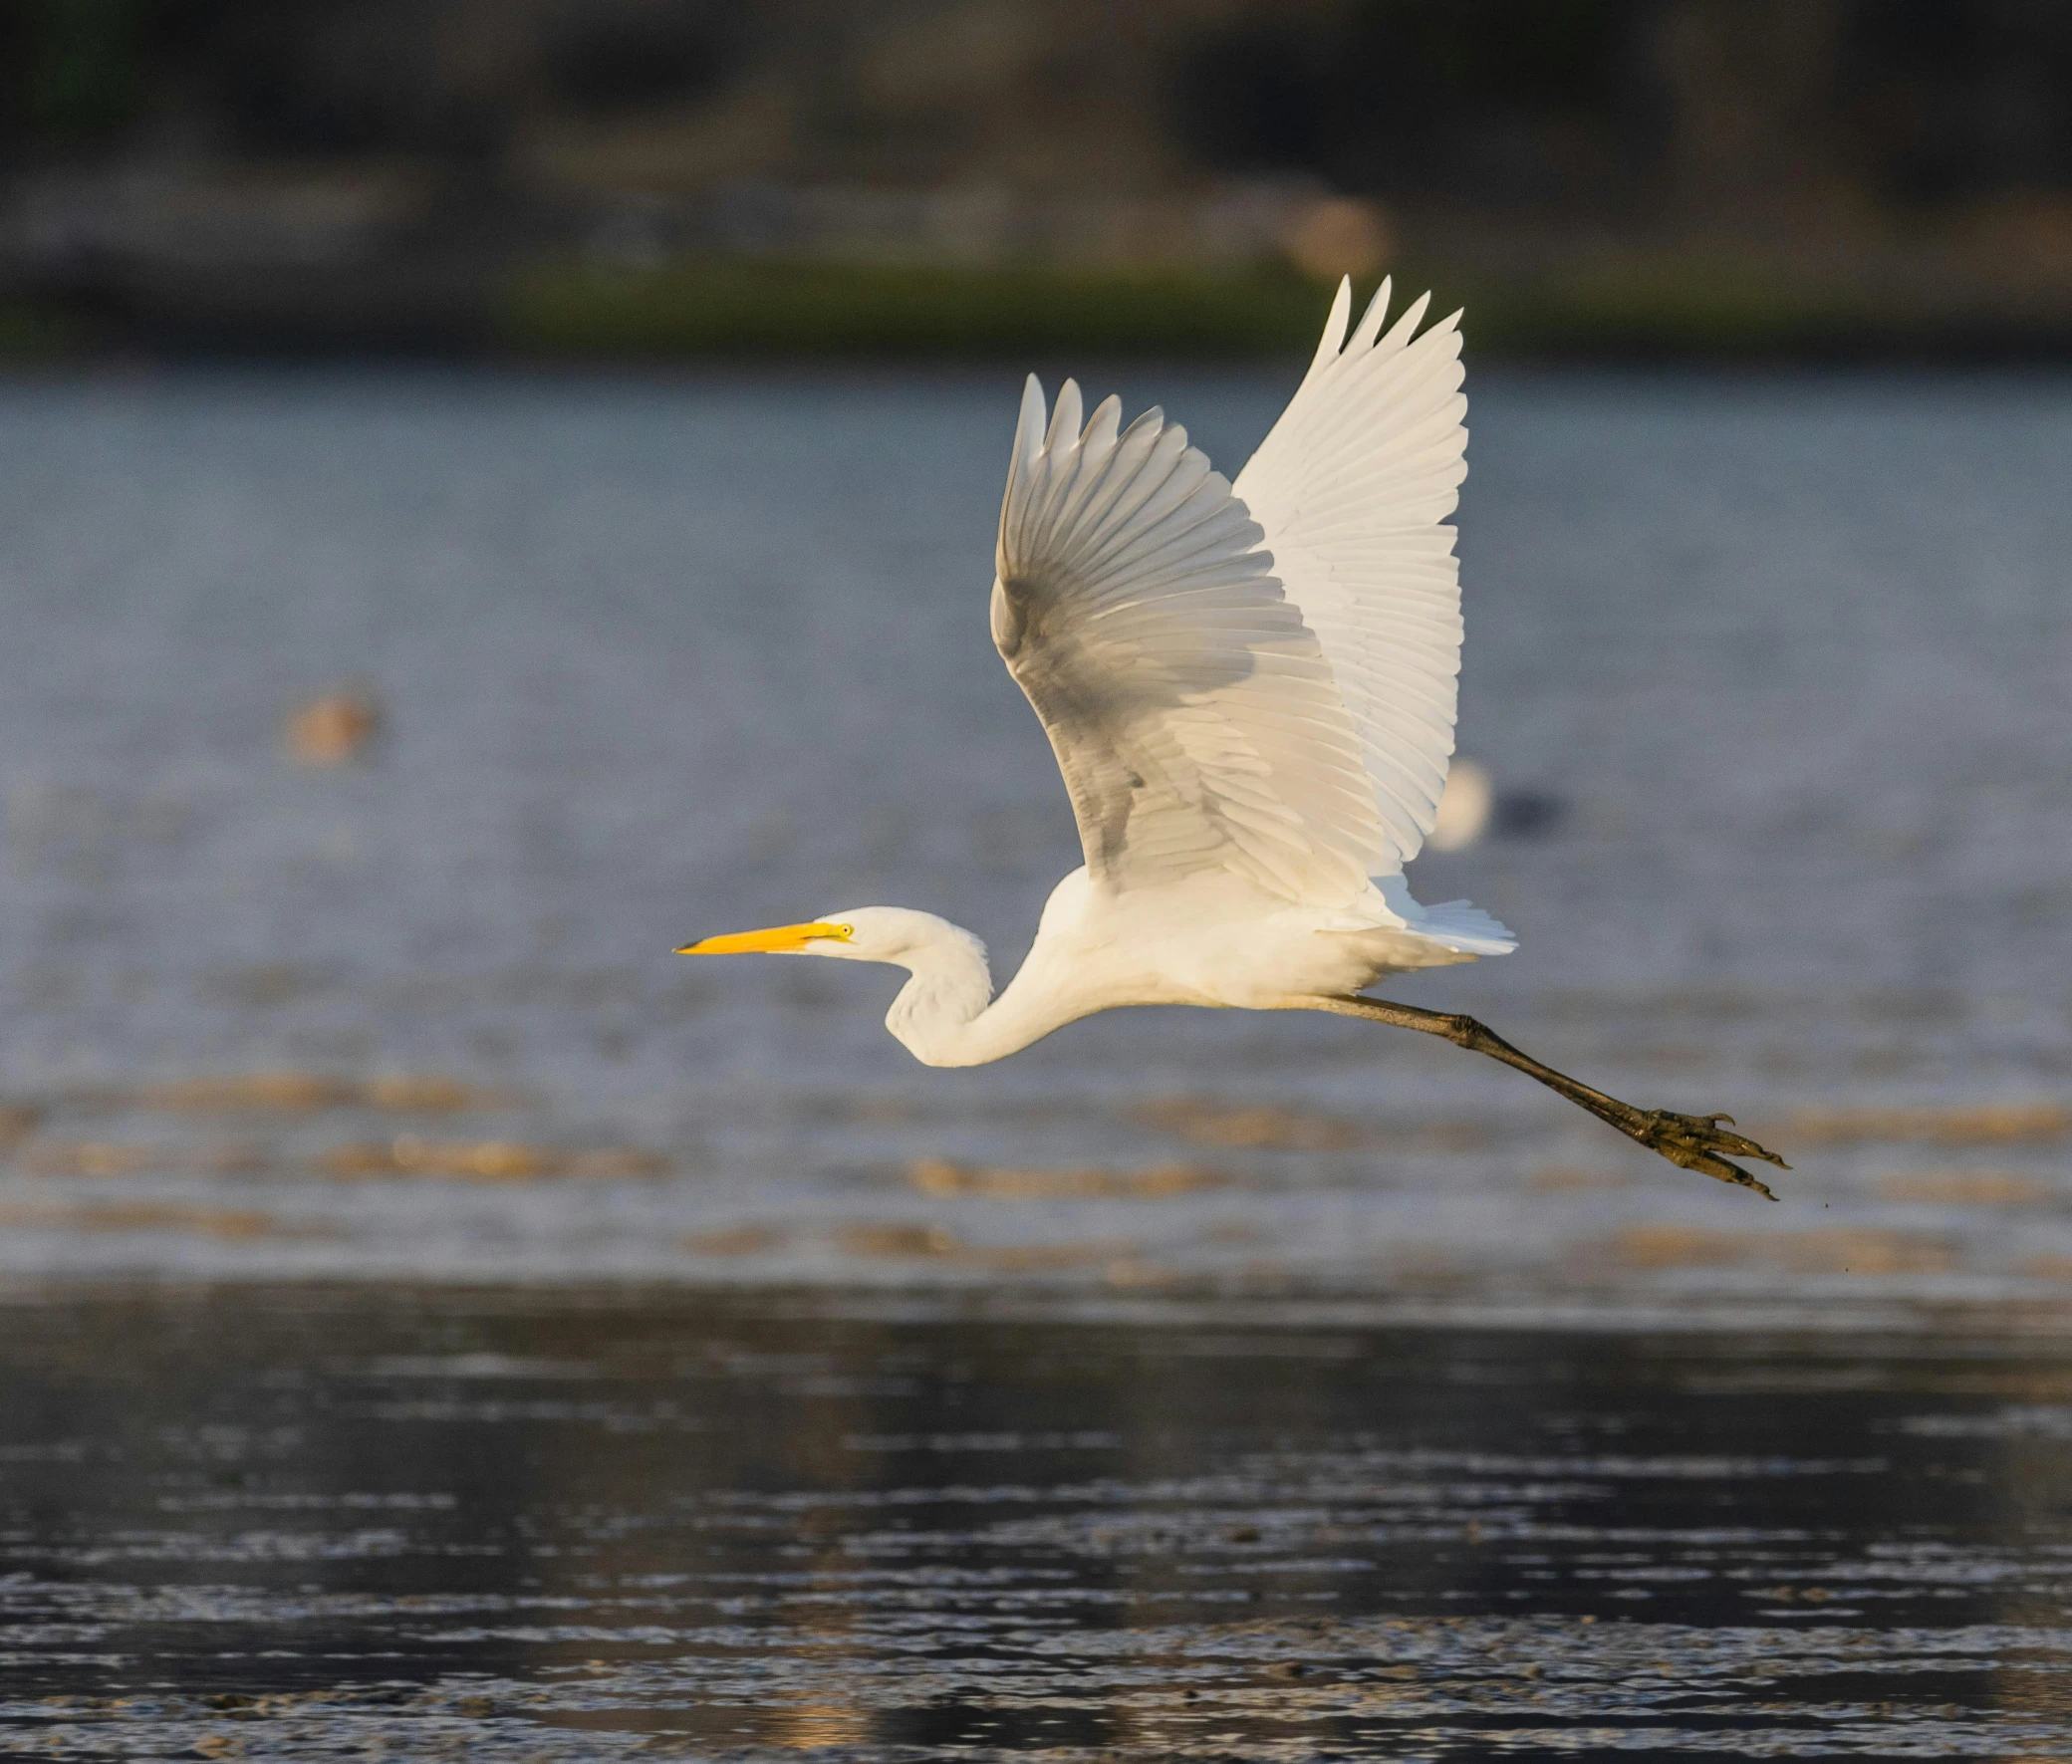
[{"x": 847, "y": 930}]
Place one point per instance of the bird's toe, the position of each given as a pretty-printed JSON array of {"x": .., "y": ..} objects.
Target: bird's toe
[{"x": 1699, "y": 1143}]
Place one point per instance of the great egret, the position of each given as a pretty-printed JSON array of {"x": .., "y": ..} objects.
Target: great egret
[{"x": 1250, "y": 691}]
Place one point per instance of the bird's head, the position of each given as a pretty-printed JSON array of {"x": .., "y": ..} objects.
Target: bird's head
[
  {"x": 859, "y": 934},
  {"x": 950, "y": 984}
]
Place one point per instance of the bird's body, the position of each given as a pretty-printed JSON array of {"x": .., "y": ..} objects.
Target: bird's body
[
  {"x": 1213, "y": 941},
  {"x": 1250, "y": 692}
]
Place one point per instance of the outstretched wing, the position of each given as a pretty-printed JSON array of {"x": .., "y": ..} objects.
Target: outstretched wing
[
  {"x": 1352, "y": 488},
  {"x": 1192, "y": 712}
]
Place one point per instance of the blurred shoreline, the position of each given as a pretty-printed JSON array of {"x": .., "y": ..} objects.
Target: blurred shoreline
[
  {"x": 652, "y": 180},
  {"x": 1670, "y": 305},
  {"x": 347, "y": 261}
]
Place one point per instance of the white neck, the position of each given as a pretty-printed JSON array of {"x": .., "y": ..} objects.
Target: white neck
[{"x": 947, "y": 1014}]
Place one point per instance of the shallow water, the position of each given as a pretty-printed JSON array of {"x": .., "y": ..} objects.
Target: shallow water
[
  {"x": 300, "y": 1522},
  {"x": 1771, "y": 669}
]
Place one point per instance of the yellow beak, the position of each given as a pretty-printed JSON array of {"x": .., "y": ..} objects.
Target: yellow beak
[{"x": 777, "y": 940}]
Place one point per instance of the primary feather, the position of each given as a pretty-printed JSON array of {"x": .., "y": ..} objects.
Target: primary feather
[{"x": 1352, "y": 488}]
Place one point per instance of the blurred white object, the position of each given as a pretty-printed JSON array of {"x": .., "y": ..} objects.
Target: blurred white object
[{"x": 1463, "y": 808}]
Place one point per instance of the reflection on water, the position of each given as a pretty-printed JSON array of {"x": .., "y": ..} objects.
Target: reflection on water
[{"x": 292, "y": 1523}]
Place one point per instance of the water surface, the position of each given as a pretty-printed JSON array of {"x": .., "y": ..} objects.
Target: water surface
[
  {"x": 1770, "y": 670},
  {"x": 440, "y": 1322},
  {"x": 516, "y": 1524}
]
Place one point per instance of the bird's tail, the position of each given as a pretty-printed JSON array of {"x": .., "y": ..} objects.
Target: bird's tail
[{"x": 1467, "y": 928}]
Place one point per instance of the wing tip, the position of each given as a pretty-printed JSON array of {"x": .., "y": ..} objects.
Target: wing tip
[
  {"x": 1371, "y": 320},
  {"x": 1028, "y": 428},
  {"x": 1370, "y": 335},
  {"x": 1065, "y": 418},
  {"x": 1335, "y": 324}
]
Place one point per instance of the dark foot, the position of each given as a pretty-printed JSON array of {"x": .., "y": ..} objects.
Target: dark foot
[
  {"x": 1695, "y": 1143},
  {"x": 1692, "y": 1141}
]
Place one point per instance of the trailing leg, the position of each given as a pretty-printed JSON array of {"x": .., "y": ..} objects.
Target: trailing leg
[{"x": 1692, "y": 1141}]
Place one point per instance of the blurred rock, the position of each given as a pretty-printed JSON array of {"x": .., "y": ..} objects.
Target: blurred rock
[
  {"x": 1989, "y": 1124},
  {"x": 333, "y": 729},
  {"x": 487, "y": 1160},
  {"x": 740, "y": 1241},
  {"x": 1473, "y": 805},
  {"x": 1527, "y": 814},
  {"x": 1202, "y": 1123},
  {"x": 936, "y": 1175}
]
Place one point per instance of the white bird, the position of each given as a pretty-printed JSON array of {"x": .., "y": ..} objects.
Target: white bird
[{"x": 1250, "y": 690}]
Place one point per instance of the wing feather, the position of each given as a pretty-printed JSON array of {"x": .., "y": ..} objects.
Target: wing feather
[
  {"x": 1351, "y": 490},
  {"x": 1194, "y": 717}
]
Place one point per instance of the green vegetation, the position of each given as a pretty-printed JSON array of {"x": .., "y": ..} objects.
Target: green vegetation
[
  {"x": 1664, "y": 305},
  {"x": 733, "y": 306},
  {"x": 39, "y": 332},
  {"x": 1682, "y": 306}
]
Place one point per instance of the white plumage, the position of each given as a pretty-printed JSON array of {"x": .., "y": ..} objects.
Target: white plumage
[
  {"x": 1257, "y": 678},
  {"x": 1193, "y": 713},
  {"x": 1250, "y": 691},
  {"x": 1352, "y": 488}
]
